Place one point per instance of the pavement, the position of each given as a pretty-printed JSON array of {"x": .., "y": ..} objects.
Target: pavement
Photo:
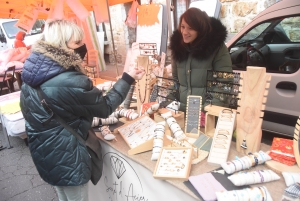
[{"x": 19, "y": 179}]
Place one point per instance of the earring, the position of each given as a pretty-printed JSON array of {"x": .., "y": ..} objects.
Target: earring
[
  {"x": 244, "y": 145},
  {"x": 221, "y": 97},
  {"x": 228, "y": 87}
]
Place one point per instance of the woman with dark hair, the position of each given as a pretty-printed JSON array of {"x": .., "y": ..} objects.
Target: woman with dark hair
[{"x": 197, "y": 46}]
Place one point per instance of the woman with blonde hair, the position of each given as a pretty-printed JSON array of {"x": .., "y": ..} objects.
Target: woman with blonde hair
[{"x": 54, "y": 66}]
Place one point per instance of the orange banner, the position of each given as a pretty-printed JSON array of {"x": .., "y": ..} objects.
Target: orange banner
[{"x": 147, "y": 14}]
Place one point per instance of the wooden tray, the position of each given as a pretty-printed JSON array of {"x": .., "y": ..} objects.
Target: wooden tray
[{"x": 174, "y": 163}]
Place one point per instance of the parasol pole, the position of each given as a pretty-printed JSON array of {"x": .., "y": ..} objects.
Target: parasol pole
[
  {"x": 168, "y": 4},
  {"x": 112, "y": 38}
]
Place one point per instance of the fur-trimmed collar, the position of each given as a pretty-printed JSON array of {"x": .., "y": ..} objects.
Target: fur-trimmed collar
[
  {"x": 205, "y": 48},
  {"x": 64, "y": 57}
]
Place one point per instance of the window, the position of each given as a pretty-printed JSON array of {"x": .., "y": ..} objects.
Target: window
[
  {"x": 273, "y": 44},
  {"x": 11, "y": 30},
  {"x": 291, "y": 27},
  {"x": 2, "y": 36}
]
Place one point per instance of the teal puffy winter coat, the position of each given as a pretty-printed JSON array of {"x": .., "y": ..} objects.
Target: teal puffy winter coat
[
  {"x": 60, "y": 158},
  {"x": 190, "y": 65}
]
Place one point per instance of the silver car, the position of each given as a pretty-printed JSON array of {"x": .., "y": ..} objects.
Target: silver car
[{"x": 272, "y": 40}]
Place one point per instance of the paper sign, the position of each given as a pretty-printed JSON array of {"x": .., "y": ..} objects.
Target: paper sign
[
  {"x": 100, "y": 10},
  {"x": 28, "y": 18},
  {"x": 148, "y": 14}
]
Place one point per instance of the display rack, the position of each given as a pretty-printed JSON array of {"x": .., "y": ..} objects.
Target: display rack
[
  {"x": 212, "y": 111},
  {"x": 222, "y": 86},
  {"x": 197, "y": 156},
  {"x": 154, "y": 92},
  {"x": 143, "y": 85},
  {"x": 222, "y": 137},
  {"x": 174, "y": 163},
  {"x": 138, "y": 134},
  {"x": 166, "y": 89},
  {"x": 193, "y": 115},
  {"x": 148, "y": 49},
  {"x": 252, "y": 98}
]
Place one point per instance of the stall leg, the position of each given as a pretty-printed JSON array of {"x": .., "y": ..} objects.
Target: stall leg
[{"x": 5, "y": 135}]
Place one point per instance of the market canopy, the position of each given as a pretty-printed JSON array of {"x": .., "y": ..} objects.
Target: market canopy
[
  {"x": 15, "y": 8},
  {"x": 28, "y": 11}
]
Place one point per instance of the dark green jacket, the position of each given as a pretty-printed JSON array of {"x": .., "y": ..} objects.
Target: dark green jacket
[
  {"x": 60, "y": 158},
  {"x": 190, "y": 65}
]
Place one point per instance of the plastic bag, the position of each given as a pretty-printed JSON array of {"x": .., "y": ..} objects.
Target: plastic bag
[{"x": 131, "y": 17}]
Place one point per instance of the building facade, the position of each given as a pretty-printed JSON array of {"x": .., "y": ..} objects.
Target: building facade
[{"x": 234, "y": 14}]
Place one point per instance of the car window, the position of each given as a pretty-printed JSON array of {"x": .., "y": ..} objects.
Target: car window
[
  {"x": 273, "y": 44},
  {"x": 291, "y": 28},
  {"x": 11, "y": 30},
  {"x": 253, "y": 33},
  {"x": 2, "y": 37}
]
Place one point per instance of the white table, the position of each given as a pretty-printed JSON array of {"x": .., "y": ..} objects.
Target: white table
[
  {"x": 137, "y": 182},
  {"x": 123, "y": 179},
  {"x": 5, "y": 99}
]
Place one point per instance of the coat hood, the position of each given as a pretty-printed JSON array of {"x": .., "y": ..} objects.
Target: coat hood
[
  {"x": 20, "y": 35},
  {"x": 47, "y": 61},
  {"x": 208, "y": 45}
]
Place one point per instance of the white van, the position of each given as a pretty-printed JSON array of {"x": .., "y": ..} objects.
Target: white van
[{"x": 8, "y": 32}]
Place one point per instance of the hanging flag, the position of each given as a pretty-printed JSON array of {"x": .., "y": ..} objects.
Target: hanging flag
[
  {"x": 101, "y": 11},
  {"x": 57, "y": 10},
  {"x": 80, "y": 11},
  {"x": 147, "y": 14}
]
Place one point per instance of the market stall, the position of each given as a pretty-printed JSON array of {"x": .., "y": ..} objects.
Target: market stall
[
  {"x": 80, "y": 11},
  {"x": 156, "y": 152},
  {"x": 142, "y": 160},
  {"x": 136, "y": 179}
]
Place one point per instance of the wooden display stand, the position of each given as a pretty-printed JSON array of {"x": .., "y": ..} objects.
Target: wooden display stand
[
  {"x": 280, "y": 167},
  {"x": 296, "y": 142},
  {"x": 220, "y": 146},
  {"x": 254, "y": 83},
  {"x": 193, "y": 116},
  {"x": 178, "y": 116},
  {"x": 212, "y": 111},
  {"x": 174, "y": 163},
  {"x": 146, "y": 145},
  {"x": 143, "y": 85}
]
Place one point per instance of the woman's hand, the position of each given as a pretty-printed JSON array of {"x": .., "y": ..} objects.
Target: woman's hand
[{"x": 137, "y": 73}]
